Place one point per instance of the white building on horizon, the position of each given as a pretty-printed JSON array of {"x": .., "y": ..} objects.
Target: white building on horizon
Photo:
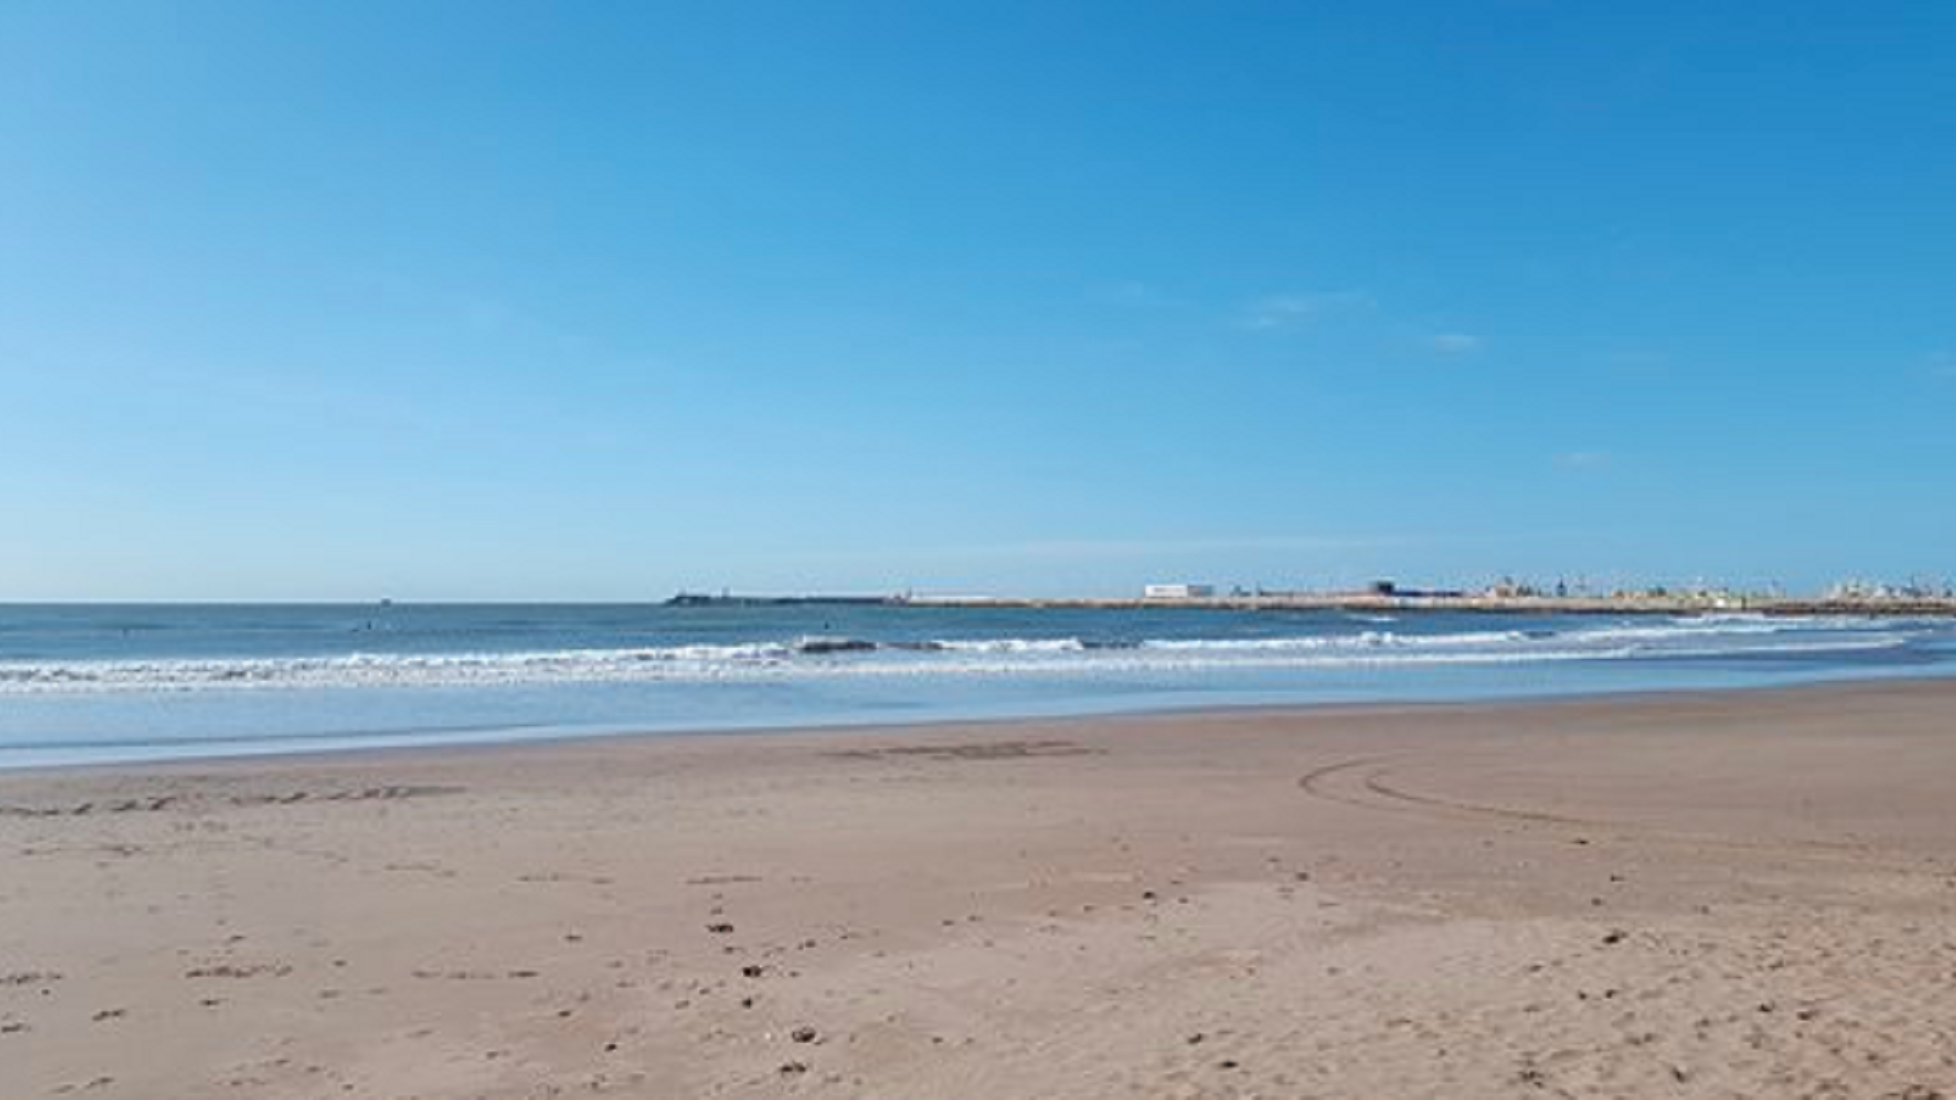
[{"x": 1177, "y": 591}]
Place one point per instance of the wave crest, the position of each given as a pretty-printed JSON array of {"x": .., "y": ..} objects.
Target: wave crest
[{"x": 820, "y": 656}]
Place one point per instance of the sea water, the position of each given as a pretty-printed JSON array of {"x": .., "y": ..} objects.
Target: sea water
[{"x": 102, "y": 683}]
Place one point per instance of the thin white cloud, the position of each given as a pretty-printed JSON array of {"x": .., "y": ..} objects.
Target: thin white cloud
[
  {"x": 1132, "y": 293},
  {"x": 1143, "y": 547},
  {"x": 1291, "y": 311},
  {"x": 1455, "y": 343},
  {"x": 1090, "y": 549},
  {"x": 1582, "y": 460},
  {"x": 484, "y": 315},
  {"x": 1943, "y": 365},
  {"x": 1642, "y": 363}
]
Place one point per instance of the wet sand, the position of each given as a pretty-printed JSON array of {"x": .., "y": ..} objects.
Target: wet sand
[{"x": 1740, "y": 894}]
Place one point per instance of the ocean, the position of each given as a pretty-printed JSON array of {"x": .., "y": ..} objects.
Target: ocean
[{"x": 118, "y": 683}]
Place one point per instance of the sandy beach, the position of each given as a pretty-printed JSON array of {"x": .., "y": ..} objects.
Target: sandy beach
[{"x": 1741, "y": 894}]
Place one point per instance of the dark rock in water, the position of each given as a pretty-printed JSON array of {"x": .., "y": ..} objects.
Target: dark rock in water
[
  {"x": 818, "y": 646},
  {"x": 803, "y": 1035},
  {"x": 719, "y": 929},
  {"x": 791, "y": 1069}
]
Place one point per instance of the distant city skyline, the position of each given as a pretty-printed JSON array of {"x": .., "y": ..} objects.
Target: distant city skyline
[{"x": 606, "y": 302}]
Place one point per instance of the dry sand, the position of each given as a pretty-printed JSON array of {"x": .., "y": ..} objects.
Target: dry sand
[{"x": 1743, "y": 894}]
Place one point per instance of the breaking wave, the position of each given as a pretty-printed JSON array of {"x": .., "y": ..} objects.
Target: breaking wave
[{"x": 822, "y": 656}]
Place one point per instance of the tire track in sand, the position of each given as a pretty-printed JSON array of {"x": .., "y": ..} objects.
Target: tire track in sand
[{"x": 1361, "y": 782}]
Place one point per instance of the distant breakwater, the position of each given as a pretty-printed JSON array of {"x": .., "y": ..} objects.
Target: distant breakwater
[{"x": 1683, "y": 604}]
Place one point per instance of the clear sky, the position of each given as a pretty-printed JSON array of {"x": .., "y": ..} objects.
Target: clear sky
[{"x": 588, "y": 301}]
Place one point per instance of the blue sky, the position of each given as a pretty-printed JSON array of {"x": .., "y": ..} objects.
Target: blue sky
[{"x": 601, "y": 301}]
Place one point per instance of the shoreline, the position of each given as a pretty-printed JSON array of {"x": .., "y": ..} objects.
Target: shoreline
[
  {"x": 1688, "y": 604},
  {"x": 903, "y": 727},
  {"x": 1733, "y": 892},
  {"x": 1683, "y": 604}
]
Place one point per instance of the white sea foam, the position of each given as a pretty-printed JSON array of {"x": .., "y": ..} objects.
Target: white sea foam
[
  {"x": 828, "y": 657},
  {"x": 1371, "y": 639},
  {"x": 1008, "y": 645}
]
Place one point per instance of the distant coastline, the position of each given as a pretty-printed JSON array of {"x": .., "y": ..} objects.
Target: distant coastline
[{"x": 1691, "y": 603}]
